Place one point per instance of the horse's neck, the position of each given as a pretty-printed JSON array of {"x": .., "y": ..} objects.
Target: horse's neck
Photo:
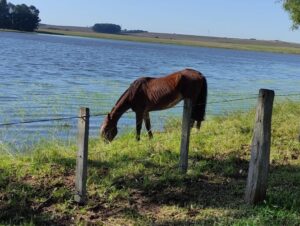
[{"x": 120, "y": 108}]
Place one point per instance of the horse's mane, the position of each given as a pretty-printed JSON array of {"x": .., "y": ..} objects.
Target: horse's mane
[
  {"x": 136, "y": 86},
  {"x": 133, "y": 89}
]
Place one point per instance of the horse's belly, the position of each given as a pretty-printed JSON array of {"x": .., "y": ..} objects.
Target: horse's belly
[
  {"x": 173, "y": 102},
  {"x": 165, "y": 103}
]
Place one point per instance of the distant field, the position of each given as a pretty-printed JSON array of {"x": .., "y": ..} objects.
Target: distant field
[{"x": 179, "y": 39}]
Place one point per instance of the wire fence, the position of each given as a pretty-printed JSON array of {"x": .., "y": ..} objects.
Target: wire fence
[
  {"x": 250, "y": 97},
  {"x": 160, "y": 118}
]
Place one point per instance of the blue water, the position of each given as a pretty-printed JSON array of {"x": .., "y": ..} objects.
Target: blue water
[{"x": 45, "y": 76}]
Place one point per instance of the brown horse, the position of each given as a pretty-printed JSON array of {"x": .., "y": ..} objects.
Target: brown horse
[{"x": 151, "y": 94}]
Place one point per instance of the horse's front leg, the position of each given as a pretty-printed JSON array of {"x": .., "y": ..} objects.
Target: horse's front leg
[
  {"x": 148, "y": 125},
  {"x": 138, "y": 123},
  {"x": 198, "y": 125}
]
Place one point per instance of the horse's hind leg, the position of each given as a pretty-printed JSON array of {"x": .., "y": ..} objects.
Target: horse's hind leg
[
  {"x": 192, "y": 123},
  {"x": 148, "y": 124}
]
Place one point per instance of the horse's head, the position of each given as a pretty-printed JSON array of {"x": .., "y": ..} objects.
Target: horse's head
[{"x": 108, "y": 129}]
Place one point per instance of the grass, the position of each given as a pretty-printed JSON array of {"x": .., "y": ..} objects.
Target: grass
[
  {"x": 138, "y": 183},
  {"x": 200, "y": 43}
]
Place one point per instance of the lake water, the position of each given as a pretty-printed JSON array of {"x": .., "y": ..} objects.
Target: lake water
[{"x": 45, "y": 76}]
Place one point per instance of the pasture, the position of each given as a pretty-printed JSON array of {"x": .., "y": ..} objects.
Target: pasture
[{"x": 138, "y": 183}]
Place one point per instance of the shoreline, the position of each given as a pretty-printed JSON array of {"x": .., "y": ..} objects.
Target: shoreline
[
  {"x": 179, "y": 39},
  {"x": 185, "y": 40}
]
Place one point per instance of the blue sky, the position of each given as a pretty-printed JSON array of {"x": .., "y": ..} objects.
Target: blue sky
[{"x": 260, "y": 19}]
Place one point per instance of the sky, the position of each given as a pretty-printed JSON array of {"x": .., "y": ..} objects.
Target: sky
[{"x": 259, "y": 19}]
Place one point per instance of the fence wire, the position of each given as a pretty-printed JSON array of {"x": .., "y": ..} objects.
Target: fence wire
[
  {"x": 250, "y": 97},
  {"x": 13, "y": 132}
]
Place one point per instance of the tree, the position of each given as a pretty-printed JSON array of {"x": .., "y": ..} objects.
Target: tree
[
  {"x": 11, "y": 9},
  {"x": 4, "y": 14},
  {"x": 18, "y": 17},
  {"x": 293, "y": 7},
  {"x": 25, "y": 18},
  {"x": 107, "y": 28}
]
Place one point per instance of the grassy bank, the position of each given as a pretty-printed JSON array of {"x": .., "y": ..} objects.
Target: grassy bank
[
  {"x": 133, "y": 183},
  {"x": 201, "y": 42}
]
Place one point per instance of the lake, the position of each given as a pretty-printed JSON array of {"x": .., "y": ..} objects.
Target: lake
[{"x": 47, "y": 76}]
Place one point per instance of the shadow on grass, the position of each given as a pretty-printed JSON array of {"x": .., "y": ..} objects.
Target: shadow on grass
[
  {"x": 29, "y": 200},
  {"x": 214, "y": 184},
  {"x": 209, "y": 183},
  {"x": 17, "y": 205}
]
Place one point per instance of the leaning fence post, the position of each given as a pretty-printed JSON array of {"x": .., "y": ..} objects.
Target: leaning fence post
[
  {"x": 260, "y": 149},
  {"x": 185, "y": 135},
  {"x": 82, "y": 155}
]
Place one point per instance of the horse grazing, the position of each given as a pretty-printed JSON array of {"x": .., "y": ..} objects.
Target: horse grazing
[{"x": 151, "y": 94}]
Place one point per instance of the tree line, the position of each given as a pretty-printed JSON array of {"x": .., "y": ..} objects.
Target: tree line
[
  {"x": 18, "y": 17},
  {"x": 107, "y": 28},
  {"x": 112, "y": 29}
]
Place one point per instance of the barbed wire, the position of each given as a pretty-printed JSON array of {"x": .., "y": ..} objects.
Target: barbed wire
[
  {"x": 251, "y": 96},
  {"x": 39, "y": 120},
  {"x": 99, "y": 114},
  {"x": 51, "y": 119},
  {"x": 286, "y": 95}
]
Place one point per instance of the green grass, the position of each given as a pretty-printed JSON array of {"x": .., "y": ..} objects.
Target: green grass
[
  {"x": 209, "y": 44},
  {"x": 138, "y": 183}
]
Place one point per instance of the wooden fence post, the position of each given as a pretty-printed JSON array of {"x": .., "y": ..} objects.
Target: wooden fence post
[
  {"x": 260, "y": 149},
  {"x": 82, "y": 155},
  {"x": 185, "y": 135}
]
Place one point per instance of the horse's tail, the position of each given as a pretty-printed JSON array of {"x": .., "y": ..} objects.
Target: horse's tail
[{"x": 199, "y": 107}]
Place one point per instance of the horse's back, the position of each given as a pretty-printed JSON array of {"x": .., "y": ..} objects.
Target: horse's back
[
  {"x": 192, "y": 74},
  {"x": 173, "y": 80},
  {"x": 192, "y": 79}
]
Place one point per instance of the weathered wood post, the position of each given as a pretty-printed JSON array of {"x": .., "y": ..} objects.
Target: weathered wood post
[
  {"x": 185, "y": 135},
  {"x": 260, "y": 149},
  {"x": 82, "y": 155}
]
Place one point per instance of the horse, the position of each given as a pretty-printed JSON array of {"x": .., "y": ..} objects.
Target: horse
[{"x": 152, "y": 94}]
